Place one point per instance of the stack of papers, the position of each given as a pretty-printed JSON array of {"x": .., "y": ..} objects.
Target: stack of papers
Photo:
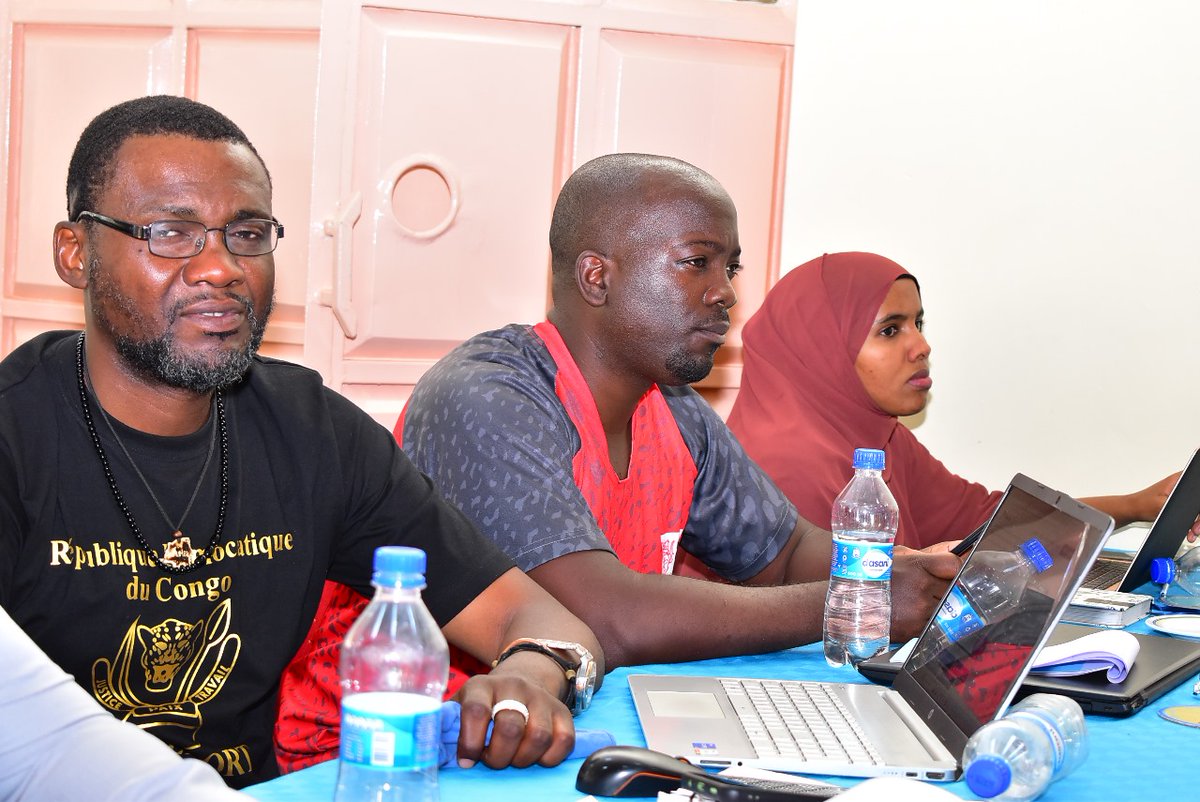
[{"x": 1110, "y": 651}]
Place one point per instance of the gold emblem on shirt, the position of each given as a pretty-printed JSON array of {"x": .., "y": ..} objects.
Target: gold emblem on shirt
[{"x": 162, "y": 675}]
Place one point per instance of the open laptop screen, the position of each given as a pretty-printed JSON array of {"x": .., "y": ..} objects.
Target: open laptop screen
[{"x": 1012, "y": 589}]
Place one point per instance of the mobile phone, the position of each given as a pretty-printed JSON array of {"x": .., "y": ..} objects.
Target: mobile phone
[{"x": 967, "y": 542}]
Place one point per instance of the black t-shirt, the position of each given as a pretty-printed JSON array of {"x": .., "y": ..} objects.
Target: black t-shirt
[{"x": 315, "y": 485}]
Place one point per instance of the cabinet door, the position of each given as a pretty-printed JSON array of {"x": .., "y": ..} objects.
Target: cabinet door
[
  {"x": 452, "y": 140},
  {"x": 71, "y": 60},
  {"x": 444, "y": 131}
]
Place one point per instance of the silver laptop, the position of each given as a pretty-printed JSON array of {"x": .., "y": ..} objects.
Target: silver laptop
[
  {"x": 950, "y": 685},
  {"x": 1120, "y": 570}
]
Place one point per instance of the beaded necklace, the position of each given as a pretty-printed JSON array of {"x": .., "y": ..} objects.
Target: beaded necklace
[{"x": 179, "y": 555}]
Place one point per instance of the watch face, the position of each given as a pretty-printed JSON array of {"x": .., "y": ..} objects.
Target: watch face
[{"x": 585, "y": 685}]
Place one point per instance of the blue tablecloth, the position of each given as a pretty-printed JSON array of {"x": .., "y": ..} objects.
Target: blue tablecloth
[{"x": 1140, "y": 757}]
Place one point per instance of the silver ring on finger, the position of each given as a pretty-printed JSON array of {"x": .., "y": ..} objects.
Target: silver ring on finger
[{"x": 511, "y": 704}]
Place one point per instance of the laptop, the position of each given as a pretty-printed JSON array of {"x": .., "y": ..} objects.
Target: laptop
[
  {"x": 1162, "y": 663},
  {"x": 949, "y": 686},
  {"x": 1120, "y": 570}
]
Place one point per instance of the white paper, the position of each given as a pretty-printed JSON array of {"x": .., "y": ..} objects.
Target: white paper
[
  {"x": 670, "y": 546},
  {"x": 1112, "y": 651},
  {"x": 901, "y": 654}
]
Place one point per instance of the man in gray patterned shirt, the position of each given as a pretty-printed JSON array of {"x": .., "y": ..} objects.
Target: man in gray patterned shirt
[{"x": 578, "y": 446}]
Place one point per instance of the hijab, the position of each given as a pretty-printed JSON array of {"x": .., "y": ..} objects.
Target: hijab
[{"x": 802, "y": 410}]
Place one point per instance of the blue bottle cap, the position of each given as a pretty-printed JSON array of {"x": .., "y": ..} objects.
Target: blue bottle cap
[
  {"x": 1037, "y": 554},
  {"x": 872, "y": 459},
  {"x": 988, "y": 775},
  {"x": 399, "y": 565},
  {"x": 1162, "y": 570}
]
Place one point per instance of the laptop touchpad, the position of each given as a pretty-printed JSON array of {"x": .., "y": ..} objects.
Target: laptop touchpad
[{"x": 685, "y": 704}]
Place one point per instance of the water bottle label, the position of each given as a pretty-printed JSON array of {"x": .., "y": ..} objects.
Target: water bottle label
[
  {"x": 854, "y": 559},
  {"x": 957, "y": 617},
  {"x": 390, "y": 730},
  {"x": 1047, "y": 726}
]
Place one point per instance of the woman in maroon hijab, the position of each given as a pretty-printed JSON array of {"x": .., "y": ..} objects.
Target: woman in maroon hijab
[{"x": 833, "y": 358}]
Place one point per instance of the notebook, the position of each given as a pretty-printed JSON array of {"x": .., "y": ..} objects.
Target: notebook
[
  {"x": 1161, "y": 664},
  {"x": 1120, "y": 570},
  {"x": 946, "y": 689}
]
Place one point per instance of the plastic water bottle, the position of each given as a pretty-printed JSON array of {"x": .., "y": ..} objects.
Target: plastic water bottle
[
  {"x": 1041, "y": 739},
  {"x": 858, "y": 605},
  {"x": 1180, "y": 579},
  {"x": 990, "y": 586},
  {"x": 394, "y": 669}
]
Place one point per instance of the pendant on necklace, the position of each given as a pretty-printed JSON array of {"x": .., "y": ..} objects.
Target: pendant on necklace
[{"x": 179, "y": 553}]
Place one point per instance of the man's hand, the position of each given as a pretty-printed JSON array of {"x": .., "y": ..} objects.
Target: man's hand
[
  {"x": 548, "y": 735},
  {"x": 919, "y": 580},
  {"x": 523, "y": 683}
]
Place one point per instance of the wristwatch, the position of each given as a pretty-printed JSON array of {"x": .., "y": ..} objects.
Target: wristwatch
[{"x": 580, "y": 668}]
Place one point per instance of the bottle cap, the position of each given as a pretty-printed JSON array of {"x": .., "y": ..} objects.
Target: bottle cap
[
  {"x": 872, "y": 459},
  {"x": 402, "y": 566},
  {"x": 1162, "y": 570},
  {"x": 988, "y": 775},
  {"x": 1037, "y": 554}
]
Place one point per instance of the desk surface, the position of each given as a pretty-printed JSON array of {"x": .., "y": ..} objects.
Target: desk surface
[{"x": 1131, "y": 758}]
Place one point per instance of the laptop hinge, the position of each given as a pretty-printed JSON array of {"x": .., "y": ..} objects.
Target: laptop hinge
[{"x": 936, "y": 749}]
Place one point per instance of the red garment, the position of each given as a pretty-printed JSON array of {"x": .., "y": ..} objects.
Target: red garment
[
  {"x": 309, "y": 719},
  {"x": 656, "y": 493},
  {"x": 654, "y": 498},
  {"x": 984, "y": 677},
  {"x": 802, "y": 409},
  {"x": 308, "y": 724}
]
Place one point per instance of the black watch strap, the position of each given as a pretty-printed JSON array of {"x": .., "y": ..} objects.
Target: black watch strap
[{"x": 569, "y": 668}]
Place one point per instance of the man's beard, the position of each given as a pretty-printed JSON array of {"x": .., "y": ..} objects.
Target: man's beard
[
  {"x": 159, "y": 358},
  {"x": 689, "y": 368}
]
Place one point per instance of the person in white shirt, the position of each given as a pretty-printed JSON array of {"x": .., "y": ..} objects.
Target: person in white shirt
[{"x": 58, "y": 743}]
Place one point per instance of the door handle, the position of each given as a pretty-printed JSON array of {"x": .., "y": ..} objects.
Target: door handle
[{"x": 341, "y": 228}]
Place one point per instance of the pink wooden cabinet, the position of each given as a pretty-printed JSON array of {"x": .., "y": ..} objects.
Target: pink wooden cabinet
[
  {"x": 416, "y": 148},
  {"x": 444, "y": 130}
]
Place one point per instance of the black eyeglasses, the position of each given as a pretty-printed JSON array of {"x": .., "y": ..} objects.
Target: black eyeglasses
[{"x": 180, "y": 239}]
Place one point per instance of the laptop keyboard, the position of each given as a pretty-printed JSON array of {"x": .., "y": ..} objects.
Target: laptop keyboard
[
  {"x": 1104, "y": 573},
  {"x": 798, "y": 719}
]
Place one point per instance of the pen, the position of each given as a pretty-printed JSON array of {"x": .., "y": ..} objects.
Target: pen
[{"x": 967, "y": 542}]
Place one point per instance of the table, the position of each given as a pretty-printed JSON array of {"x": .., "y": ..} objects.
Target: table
[{"x": 1139, "y": 757}]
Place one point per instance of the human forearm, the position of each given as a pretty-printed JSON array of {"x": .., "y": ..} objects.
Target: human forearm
[
  {"x": 515, "y": 607},
  {"x": 1116, "y": 506},
  {"x": 919, "y": 578},
  {"x": 1142, "y": 505},
  {"x": 523, "y": 696},
  {"x": 650, "y": 618}
]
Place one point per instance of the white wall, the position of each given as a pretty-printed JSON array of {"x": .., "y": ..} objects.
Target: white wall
[{"x": 1037, "y": 166}]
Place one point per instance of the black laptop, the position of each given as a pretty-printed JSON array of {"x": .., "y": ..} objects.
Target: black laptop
[
  {"x": 1162, "y": 663},
  {"x": 1117, "y": 570}
]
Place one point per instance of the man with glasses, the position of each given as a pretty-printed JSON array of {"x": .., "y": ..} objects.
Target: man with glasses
[
  {"x": 172, "y": 503},
  {"x": 181, "y": 239}
]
